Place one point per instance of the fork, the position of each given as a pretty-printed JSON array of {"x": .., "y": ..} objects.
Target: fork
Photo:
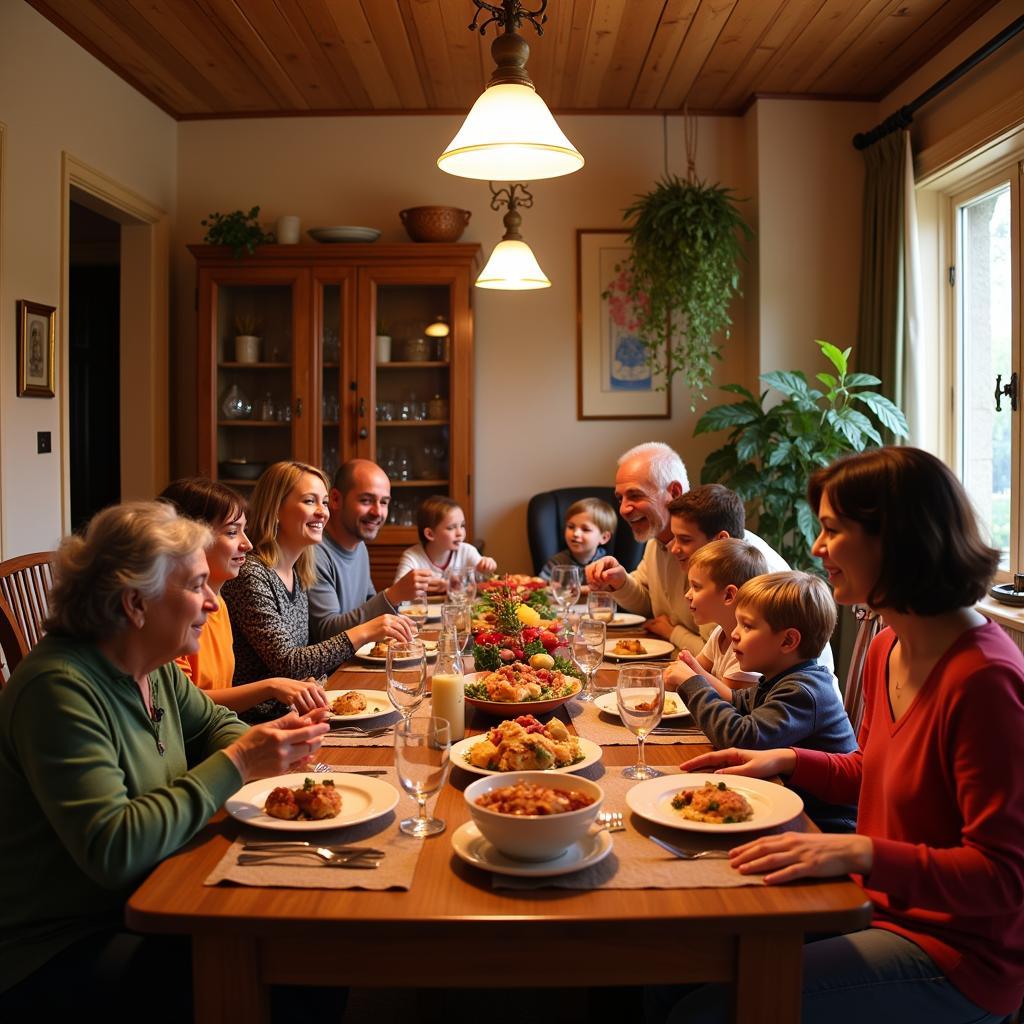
[
  {"x": 610, "y": 821},
  {"x": 298, "y": 844},
  {"x": 321, "y": 767},
  {"x": 682, "y": 854},
  {"x": 352, "y": 859},
  {"x": 352, "y": 730}
]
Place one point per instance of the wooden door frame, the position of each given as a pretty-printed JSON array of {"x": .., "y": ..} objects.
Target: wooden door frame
[{"x": 145, "y": 304}]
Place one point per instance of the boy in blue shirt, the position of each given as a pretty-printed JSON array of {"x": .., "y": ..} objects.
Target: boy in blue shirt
[{"x": 589, "y": 523}]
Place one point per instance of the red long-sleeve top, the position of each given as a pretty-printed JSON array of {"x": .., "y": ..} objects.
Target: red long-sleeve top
[{"x": 941, "y": 793}]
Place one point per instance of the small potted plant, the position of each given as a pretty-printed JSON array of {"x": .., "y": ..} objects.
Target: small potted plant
[
  {"x": 247, "y": 341},
  {"x": 238, "y": 229}
]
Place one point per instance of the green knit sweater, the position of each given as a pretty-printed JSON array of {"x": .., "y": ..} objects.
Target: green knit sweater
[{"x": 88, "y": 803}]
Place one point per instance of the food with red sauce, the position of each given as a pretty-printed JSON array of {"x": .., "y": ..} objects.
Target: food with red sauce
[{"x": 527, "y": 799}]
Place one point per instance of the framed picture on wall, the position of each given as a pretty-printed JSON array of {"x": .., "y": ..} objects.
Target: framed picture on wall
[
  {"x": 614, "y": 380},
  {"x": 37, "y": 326}
]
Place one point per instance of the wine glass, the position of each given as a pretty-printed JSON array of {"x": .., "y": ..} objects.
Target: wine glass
[
  {"x": 588, "y": 652},
  {"x": 458, "y": 619},
  {"x": 416, "y": 609},
  {"x": 407, "y": 675},
  {"x": 565, "y": 585},
  {"x": 461, "y": 584},
  {"x": 601, "y": 605},
  {"x": 641, "y": 698},
  {"x": 422, "y": 759}
]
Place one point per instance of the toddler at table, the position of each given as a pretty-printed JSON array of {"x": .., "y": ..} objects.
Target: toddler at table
[
  {"x": 441, "y": 525},
  {"x": 589, "y": 524},
  {"x": 783, "y": 620}
]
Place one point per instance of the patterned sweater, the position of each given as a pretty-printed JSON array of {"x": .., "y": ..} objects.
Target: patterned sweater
[{"x": 271, "y": 628}]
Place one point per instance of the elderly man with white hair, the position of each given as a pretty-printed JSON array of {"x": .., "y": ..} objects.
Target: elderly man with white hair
[{"x": 649, "y": 477}]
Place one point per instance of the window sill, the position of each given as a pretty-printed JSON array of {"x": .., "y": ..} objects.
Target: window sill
[{"x": 1004, "y": 614}]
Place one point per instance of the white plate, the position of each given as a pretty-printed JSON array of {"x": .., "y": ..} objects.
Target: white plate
[
  {"x": 433, "y": 611},
  {"x": 591, "y": 755},
  {"x": 344, "y": 233},
  {"x": 430, "y": 646},
  {"x": 653, "y": 648},
  {"x": 374, "y": 699},
  {"x": 362, "y": 799},
  {"x": 470, "y": 846},
  {"x": 609, "y": 703},
  {"x": 620, "y": 620},
  {"x": 773, "y": 804}
]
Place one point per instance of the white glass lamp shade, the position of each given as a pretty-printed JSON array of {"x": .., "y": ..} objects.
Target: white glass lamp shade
[
  {"x": 437, "y": 329},
  {"x": 510, "y": 135},
  {"x": 512, "y": 267}
]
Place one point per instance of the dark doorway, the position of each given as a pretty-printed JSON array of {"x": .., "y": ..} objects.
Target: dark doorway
[{"x": 94, "y": 366}]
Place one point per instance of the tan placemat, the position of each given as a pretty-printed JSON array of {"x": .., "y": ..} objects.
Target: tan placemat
[
  {"x": 637, "y": 863},
  {"x": 395, "y": 872},
  {"x": 608, "y": 731}
]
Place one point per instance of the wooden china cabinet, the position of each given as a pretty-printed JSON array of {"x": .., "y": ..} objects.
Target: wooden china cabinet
[{"x": 290, "y": 366}]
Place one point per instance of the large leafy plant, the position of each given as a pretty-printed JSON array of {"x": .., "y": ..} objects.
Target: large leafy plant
[
  {"x": 686, "y": 239},
  {"x": 773, "y": 449}
]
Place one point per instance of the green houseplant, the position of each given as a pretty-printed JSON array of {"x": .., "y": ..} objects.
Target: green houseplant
[
  {"x": 238, "y": 229},
  {"x": 683, "y": 272},
  {"x": 773, "y": 450}
]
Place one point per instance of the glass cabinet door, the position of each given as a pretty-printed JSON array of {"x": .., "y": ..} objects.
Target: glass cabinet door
[{"x": 340, "y": 421}]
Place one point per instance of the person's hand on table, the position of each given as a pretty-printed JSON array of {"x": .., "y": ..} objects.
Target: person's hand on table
[
  {"x": 437, "y": 585},
  {"x": 486, "y": 565},
  {"x": 681, "y": 670},
  {"x": 605, "y": 573},
  {"x": 302, "y": 694},
  {"x": 757, "y": 764},
  {"x": 414, "y": 584},
  {"x": 661, "y": 626},
  {"x": 804, "y": 855},
  {"x": 278, "y": 747}
]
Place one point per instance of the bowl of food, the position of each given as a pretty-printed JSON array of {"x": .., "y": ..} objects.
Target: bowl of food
[
  {"x": 240, "y": 469},
  {"x": 435, "y": 223},
  {"x": 533, "y": 815},
  {"x": 518, "y": 689}
]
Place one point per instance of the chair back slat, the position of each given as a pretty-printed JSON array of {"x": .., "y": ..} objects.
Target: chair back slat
[
  {"x": 25, "y": 582},
  {"x": 853, "y": 699},
  {"x": 12, "y": 642}
]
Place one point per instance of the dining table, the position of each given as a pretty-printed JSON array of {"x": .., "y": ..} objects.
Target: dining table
[{"x": 453, "y": 928}]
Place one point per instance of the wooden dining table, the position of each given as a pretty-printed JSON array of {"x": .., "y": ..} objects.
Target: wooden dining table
[{"x": 453, "y": 929}]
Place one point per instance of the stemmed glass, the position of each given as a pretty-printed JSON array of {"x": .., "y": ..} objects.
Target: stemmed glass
[
  {"x": 601, "y": 605},
  {"x": 461, "y": 585},
  {"x": 641, "y": 698},
  {"x": 407, "y": 675},
  {"x": 588, "y": 652},
  {"x": 565, "y": 585},
  {"x": 422, "y": 750},
  {"x": 458, "y": 619}
]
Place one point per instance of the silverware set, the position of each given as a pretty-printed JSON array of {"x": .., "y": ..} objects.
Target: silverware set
[
  {"x": 355, "y": 731},
  {"x": 676, "y": 730},
  {"x": 259, "y": 852},
  {"x": 610, "y": 821},
  {"x": 321, "y": 767},
  {"x": 678, "y": 851}
]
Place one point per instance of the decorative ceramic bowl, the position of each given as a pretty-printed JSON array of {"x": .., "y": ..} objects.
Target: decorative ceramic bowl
[
  {"x": 240, "y": 469},
  {"x": 513, "y": 709},
  {"x": 435, "y": 223},
  {"x": 534, "y": 837}
]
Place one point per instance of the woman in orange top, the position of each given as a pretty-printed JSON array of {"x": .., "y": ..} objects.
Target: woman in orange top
[{"x": 212, "y": 668}]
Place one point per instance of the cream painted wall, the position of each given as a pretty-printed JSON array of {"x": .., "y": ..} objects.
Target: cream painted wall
[
  {"x": 363, "y": 171},
  {"x": 77, "y": 106}
]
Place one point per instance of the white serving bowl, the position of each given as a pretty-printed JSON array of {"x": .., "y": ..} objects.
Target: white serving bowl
[{"x": 540, "y": 837}]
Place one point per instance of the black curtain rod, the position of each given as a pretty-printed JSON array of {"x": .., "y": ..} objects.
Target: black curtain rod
[{"x": 904, "y": 117}]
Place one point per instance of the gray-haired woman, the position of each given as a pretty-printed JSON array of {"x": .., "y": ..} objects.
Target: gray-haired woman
[{"x": 110, "y": 759}]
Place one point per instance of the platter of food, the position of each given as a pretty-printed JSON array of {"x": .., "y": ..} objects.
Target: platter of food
[
  {"x": 471, "y": 846},
  {"x": 377, "y": 653},
  {"x": 637, "y": 650},
  {"x": 316, "y": 803},
  {"x": 524, "y": 744},
  {"x": 700, "y": 802},
  {"x": 518, "y": 689},
  {"x": 357, "y": 705},
  {"x": 674, "y": 707}
]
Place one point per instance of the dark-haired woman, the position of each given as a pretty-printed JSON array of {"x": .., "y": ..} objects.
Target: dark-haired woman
[
  {"x": 212, "y": 667},
  {"x": 940, "y": 832}
]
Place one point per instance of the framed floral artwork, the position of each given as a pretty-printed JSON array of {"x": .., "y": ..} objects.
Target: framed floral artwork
[
  {"x": 614, "y": 380},
  {"x": 37, "y": 325}
]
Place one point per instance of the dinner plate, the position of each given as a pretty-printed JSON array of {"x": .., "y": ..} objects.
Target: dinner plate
[
  {"x": 362, "y": 799},
  {"x": 591, "y": 755},
  {"x": 430, "y": 646},
  {"x": 773, "y": 804},
  {"x": 513, "y": 710},
  {"x": 653, "y": 648},
  {"x": 344, "y": 233},
  {"x": 377, "y": 704},
  {"x": 609, "y": 703},
  {"x": 469, "y": 845}
]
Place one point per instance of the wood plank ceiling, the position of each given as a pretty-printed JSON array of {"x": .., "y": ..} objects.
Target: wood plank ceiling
[{"x": 217, "y": 58}]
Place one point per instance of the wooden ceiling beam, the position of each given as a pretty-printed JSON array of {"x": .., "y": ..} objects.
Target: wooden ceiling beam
[
  {"x": 708, "y": 23},
  {"x": 669, "y": 36}
]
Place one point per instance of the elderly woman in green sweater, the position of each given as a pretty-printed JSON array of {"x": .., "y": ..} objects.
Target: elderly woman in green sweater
[{"x": 110, "y": 759}]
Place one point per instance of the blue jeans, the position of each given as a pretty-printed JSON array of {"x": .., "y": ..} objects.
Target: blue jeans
[{"x": 871, "y": 975}]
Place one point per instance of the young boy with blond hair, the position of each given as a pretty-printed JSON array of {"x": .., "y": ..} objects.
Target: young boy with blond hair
[
  {"x": 783, "y": 619},
  {"x": 589, "y": 524}
]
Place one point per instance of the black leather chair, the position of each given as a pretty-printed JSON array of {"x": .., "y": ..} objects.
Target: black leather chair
[{"x": 545, "y": 523}]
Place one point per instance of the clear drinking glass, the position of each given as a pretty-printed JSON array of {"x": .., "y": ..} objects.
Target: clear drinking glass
[
  {"x": 417, "y": 609},
  {"x": 601, "y": 605},
  {"x": 565, "y": 586},
  {"x": 422, "y": 749},
  {"x": 458, "y": 619},
  {"x": 461, "y": 584},
  {"x": 641, "y": 698},
  {"x": 588, "y": 651},
  {"x": 407, "y": 675}
]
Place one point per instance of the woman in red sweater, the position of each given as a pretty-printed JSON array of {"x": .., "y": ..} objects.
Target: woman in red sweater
[{"x": 939, "y": 845}]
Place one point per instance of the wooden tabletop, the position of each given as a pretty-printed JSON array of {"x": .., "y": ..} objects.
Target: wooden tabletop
[{"x": 260, "y": 936}]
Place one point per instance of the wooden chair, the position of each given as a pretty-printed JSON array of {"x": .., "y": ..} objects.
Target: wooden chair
[
  {"x": 853, "y": 699},
  {"x": 25, "y": 582},
  {"x": 12, "y": 642}
]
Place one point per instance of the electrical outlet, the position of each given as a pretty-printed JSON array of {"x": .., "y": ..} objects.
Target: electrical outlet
[{"x": 43, "y": 442}]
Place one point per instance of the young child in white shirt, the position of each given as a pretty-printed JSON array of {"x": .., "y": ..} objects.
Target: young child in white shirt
[{"x": 441, "y": 525}]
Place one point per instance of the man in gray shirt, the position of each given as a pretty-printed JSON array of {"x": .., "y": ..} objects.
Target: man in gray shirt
[{"x": 343, "y": 594}]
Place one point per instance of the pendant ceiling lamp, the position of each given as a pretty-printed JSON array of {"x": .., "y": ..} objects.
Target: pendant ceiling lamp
[
  {"x": 510, "y": 134},
  {"x": 512, "y": 265}
]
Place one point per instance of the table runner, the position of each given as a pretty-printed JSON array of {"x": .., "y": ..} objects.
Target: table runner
[{"x": 395, "y": 872}]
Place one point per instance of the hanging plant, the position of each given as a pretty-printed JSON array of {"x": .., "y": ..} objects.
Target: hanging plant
[
  {"x": 683, "y": 273},
  {"x": 238, "y": 229}
]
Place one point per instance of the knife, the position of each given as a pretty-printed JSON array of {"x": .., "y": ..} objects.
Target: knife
[{"x": 690, "y": 854}]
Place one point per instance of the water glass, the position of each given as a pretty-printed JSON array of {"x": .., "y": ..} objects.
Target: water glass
[
  {"x": 406, "y": 671},
  {"x": 461, "y": 584},
  {"x": 458, "y": 619},
  {"x": 588, "y": 652},
  {"x": 640, "y": 695},
  {"x": 422, "y": 759},
  {"x": 417, "y": 609},
  {"x": 601, "y": 605}
]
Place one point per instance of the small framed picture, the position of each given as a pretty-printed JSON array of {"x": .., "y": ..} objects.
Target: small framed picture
[{"x": 37, "y": 326}]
